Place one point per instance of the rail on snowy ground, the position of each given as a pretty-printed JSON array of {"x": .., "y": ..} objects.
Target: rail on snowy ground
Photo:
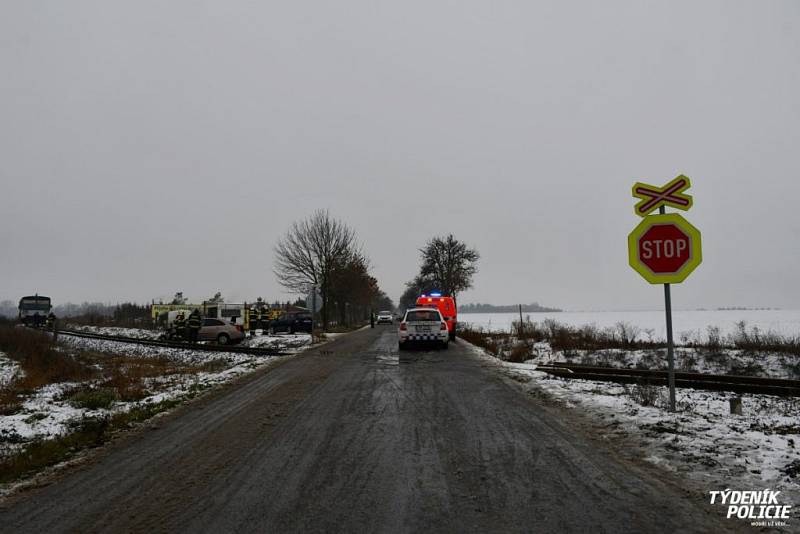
[
  {"x": 177, "y": 344},
  {"x": 735, "y": 383}
]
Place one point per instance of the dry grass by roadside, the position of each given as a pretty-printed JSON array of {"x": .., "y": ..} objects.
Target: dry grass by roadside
[
  {"x": 100, "y": 380},
  {"x": 40, "y": 360},
  {"x": 100, "y": 376},
  {"x": 624, "y": 336},
  {"x": 41, "y": 363}
]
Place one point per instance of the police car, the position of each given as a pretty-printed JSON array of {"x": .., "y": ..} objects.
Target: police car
[
  {"x": 423, "y": 326},
  {"x": 385, "y": 317}
]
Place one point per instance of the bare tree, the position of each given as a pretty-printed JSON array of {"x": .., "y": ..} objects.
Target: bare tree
[
  {"x": 311, "y": 251},
  {"x": 448, "y": 263},
  {"x": 419, "y": 285}
]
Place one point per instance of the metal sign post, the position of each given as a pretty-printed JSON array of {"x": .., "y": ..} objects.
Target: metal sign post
[
  {"x": 670, "y": 340},
  {"x": 665, "y": 248}
]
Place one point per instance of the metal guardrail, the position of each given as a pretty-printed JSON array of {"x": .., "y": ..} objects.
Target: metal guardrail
[
  {"x": 259, "y": 351},
  {"x": 735, "y": 383}
]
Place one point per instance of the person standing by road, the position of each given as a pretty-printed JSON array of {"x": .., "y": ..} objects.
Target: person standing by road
[
  {"x": 180, "y": 326},
  {"x": 262, "y": 320},
  {"x": 194, "y": 324},
  {"x": 253, "y": 321}
]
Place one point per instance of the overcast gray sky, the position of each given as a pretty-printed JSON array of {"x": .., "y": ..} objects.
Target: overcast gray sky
[{"x": 148, "y": 147}]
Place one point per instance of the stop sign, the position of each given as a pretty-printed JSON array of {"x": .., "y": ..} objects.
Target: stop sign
[{"x": 664, "y": 249}]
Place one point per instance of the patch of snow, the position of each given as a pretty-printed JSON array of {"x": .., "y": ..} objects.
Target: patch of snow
[
  {"x": 41, "y": 417},
  {"x": 187, "y": 355},
  {"x": 278, "y": 341},
  {"x": 8, "y": 369},
  {"x": 137, "y": 333}
]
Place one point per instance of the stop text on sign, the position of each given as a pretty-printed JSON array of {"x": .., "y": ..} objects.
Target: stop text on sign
[
  {"x": 664, "y": 249},
  {"x": 668, "y": 249}
]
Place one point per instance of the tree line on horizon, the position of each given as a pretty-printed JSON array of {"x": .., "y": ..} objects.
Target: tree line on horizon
[{"x": 533, "y": 307}]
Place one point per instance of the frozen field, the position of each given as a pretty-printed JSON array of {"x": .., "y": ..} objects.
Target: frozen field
[{"x": 783, "y": 322}]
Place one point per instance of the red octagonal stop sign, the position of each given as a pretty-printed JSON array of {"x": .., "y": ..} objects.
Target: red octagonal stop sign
[{"x": 664, "y": 248}]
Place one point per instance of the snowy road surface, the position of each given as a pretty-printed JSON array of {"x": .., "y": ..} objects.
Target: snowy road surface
[{"x": 344, "y": 438}]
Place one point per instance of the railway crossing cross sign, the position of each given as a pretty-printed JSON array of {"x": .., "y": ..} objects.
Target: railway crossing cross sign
[{"x": 653, "y": 197}]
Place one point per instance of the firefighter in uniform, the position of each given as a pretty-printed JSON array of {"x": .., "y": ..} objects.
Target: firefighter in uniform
[
  {"x": 194, "y": 323},
  {"x": 263, "y": 320},
  {"x": 51, "y": 321},
  {"x": 180, "y": 326}
]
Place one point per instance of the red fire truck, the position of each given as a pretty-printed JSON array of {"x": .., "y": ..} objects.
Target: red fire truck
[{"x": 446, "y": 306}]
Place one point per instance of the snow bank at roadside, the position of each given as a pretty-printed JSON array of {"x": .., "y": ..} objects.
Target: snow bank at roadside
[
  {"x": 703, "y": 441},
  {"x": 277, "y": 341}
]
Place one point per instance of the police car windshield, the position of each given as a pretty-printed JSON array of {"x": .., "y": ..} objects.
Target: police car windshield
[{"x": 423, "y": 315}]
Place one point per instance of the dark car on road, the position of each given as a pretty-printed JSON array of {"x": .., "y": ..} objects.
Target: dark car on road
[{"x": 291, "y": 322}]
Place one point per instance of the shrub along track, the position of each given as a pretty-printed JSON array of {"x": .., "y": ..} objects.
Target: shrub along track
[
  {"x": 738, "y": 384},
  {"x": 259, "y": 351}
]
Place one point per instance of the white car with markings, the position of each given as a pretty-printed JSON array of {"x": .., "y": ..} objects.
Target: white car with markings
[
  {"x": 385, "y": 317},
  {"x": 423, "y": 326}
]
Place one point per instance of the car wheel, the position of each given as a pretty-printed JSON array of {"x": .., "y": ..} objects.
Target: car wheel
[
  {"x": 401, "y": 346},
  {"x": 223, "y": 339},
  {"x": 443, "y": 346}
]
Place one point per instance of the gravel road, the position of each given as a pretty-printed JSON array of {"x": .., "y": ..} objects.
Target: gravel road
[{"x": 345, "y": 438}]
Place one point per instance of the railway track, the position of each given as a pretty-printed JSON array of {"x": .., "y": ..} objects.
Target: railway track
[
  {"x": 734, "y": 383},
  {"x": 259, "y": 351}
]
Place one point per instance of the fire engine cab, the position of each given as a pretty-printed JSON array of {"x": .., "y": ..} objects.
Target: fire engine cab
[{"x": 446, "y": 306}]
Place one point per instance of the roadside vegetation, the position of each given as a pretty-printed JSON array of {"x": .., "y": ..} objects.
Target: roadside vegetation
[
  {"x": 447, "y": 265},
  {"x": 65, "y": 396},
  {"x": 323, "y": 252},
  {"x": 746, "y": 351}
]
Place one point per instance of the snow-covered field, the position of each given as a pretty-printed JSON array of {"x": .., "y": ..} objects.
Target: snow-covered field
[
  {"x": 693, "y": 323},
  {"x": 757, "y": 450},
  {"x": 47, "y": 412}
]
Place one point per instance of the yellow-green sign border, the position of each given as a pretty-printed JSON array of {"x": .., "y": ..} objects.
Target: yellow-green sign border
[{"x": 696, "y": 248}]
